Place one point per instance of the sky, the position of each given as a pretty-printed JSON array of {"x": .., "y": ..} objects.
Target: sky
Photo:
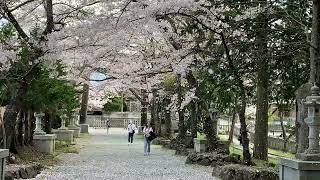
[{"x": 97, "y": 76}]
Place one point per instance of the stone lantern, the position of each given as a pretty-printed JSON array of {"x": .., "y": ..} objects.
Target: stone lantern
[
  {"x": 307, "y": 164},
  {"x": 72, "y": 121},
  {"x": 312, "y": 103},
  {"x": 63, "y": 122},
  {"x": 73, "y": 126},
  {"x": 214, "y": 115},
  {"x": 38, "y": 130}
]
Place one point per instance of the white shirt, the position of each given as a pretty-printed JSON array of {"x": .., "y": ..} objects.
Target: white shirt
[
  {"x": 147, "y": 130},
  {"x": 131, "y": 127}
]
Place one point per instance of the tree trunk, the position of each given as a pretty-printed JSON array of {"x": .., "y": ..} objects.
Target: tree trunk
[
  {"x": 20, "y": 128},
  {"x": 32, "y": 126},
  {"x": 233, "y": 122},
  {"x": 84, "y": 104},
  {"x": 158, "y": 117},
  {"x": 48, "y": 122},
  {"x": 144, "y": 107},
  {"x": 260, "y": 150},
  {"x": 284, "y": 134},
  {"x": 193, "y": 104},
  {"x": 181, "y": 124},
  {"x": 153, "y": 108},
  {"x": 209, "y": 127},
  {"x": 167, "y": 116},
  {"x": 244, "y": 134},
  {"x": 10, "y": 116},
  {"x": 302, "y": 127},
  {"x": 193, "y": 119},
  {"x": 27, "y": 128},
  {"x": 315, "y": 43}
]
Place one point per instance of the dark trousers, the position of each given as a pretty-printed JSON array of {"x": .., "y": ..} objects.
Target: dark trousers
[{"x": 130, "y": 137}]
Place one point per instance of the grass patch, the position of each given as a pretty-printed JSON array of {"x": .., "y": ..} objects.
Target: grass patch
[
  {"x": 272, "y": 162},
  {"x": 224, "y": 137},
  {"x": 28, "y": 154},
  {"x": 85, "y": 136},
  {"x": 64, "y": 147},
  {"x": 139, "y": 136},
  {"x": 281, "y": 153},
  {"x": 201, "y": 136}
]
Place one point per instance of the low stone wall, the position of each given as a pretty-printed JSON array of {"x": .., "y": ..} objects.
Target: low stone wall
[
  {"x": 278, "y": 144},
  {"x": 14, "y": 171},
  {"x": 273, "y": 142}
]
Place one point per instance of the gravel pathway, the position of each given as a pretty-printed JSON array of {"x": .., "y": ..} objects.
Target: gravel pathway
[{"x": 109, "y": 157}]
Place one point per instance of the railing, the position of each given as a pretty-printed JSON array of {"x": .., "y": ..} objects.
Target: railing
[
  {"x": 223, "y": 129},
  {"x": 100, "y": 122}
]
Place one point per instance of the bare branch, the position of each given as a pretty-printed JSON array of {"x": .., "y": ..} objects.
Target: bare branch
[
  {"x": 122, "y": 10},
  {"x": 49, "y": 12},
  {"x": 22, "y": 4},
  {"x": 15, "y": 23}
]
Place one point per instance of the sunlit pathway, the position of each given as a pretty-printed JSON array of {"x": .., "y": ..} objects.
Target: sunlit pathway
[{"x": 109, "y": 157}]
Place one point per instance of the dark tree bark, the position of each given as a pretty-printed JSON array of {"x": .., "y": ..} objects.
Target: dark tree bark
[
  {"x": 167, "y": 116},
  {"x": 233, "y": 122},
  {"x": 84, "y": 104},
  {"x": 10, "y": 115},
  {"x": 315, "y": 43},
  {"x": 181, "y": 123},
  {"x": 20, "y": 128},
  {"x": 49, "y": 14},
  {"x": 27, "y": 127},
  {"x": 155, "y": 119},
  {"x": 144, "y": 107},
  {"x": 260, "y": 150},
  {"x": 193, "y": 105},
  {"x": 32, "y": 126},
  {"x": 153, "y": 108},
  {"x": 48, "y": 122},
  {"x": 209, "y": 127}
]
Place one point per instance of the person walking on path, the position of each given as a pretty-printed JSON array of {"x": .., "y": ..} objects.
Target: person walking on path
[
  {"x": 108, "y": 126},
  {"x": 146, "y": 132},
  {"x": 131, "y": 130}
]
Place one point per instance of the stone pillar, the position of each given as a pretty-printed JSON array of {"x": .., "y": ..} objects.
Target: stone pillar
[
  {"x": 63, "y": 133},
  {"x": 43, "y": 142},
  {"x": 72, "y": 126},
  {"x": 77, "y": 120},
  {"x": 4, "y": 153},
  {"x": 63, "y": 122},
  {"x": 307, "y": 166},
  {"x": 38, "y": 130}
]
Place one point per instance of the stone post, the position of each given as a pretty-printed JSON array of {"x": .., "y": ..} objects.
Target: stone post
[{"x": 38, "y": 130}]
